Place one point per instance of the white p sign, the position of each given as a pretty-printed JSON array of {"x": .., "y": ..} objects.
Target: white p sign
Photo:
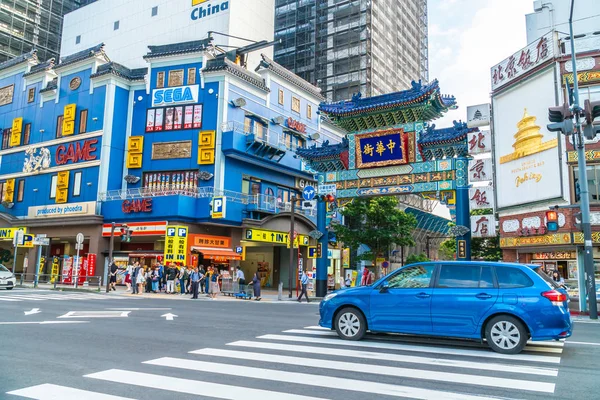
[{"x": 218, "y": 207}]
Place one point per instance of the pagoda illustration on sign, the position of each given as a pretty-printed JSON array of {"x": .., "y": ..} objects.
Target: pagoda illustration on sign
[
  {"x": 477, "y": 115},
  {"x": 528, "y": 140}
]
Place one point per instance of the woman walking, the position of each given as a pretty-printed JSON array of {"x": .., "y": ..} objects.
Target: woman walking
[
  {"x": 256, "y": 286},
  {"x": 140, "y": 279},
  {"x": 214, "y": 283}
]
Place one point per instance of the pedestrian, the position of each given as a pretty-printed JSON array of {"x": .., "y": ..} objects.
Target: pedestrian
[
  {"x": 128, "y": 273},
  {"x": 304, "y": 283},
  {"x": 181, "y": 277},
  {"x": 148, "y": 275},
  {"x": 557, "y": 278},
  {"x": 134, "y": 274},
  {"x": 161, "y": 275},
  {"x": 113, "y": 275},
  {"x": 141, "y": 278},
  {"x": 239, "y": 275},
  {"x": 214, "y": 284},
  {"x": 256, "y": 286},
  {"x": 203, "y": 279},
  {"x": 365, "y": 277},
  {"x": 348, "y": 281},
  {"x": 195, "y": 282},
  {"x": 207, "y": 276},
  {"x": 171, "y": 276},
  {"x": 155, "y": 279}
]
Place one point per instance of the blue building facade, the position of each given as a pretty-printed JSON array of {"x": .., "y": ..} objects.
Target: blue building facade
[{"x": 87, "y": 142}]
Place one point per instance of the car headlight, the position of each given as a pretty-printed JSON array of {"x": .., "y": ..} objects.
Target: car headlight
[{"x": 329, "y": 296}]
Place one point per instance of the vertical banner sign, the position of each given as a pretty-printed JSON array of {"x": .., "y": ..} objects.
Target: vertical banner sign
[
  {"x": 481, "y": 197},
  {"x": 462, "y": 249},
  {"x": 480, "y": 170},
  {"x": 91, "y": 264},
  {"x": 55, "y": 268},
  {"x": 483, "y": 225},
  {"x": 176, "y": 244}
]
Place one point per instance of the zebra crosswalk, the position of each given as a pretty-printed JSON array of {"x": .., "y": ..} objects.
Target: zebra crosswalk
[
  {"x": 311, "y": 363},
  {"x": 48, "y": 295}
]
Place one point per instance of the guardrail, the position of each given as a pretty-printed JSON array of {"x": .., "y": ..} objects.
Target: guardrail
[
  {"x": 174, "y": 190},
  {"x": 59, "y": 281}
]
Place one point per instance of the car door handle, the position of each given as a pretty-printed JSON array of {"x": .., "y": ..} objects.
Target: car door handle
[
  {"x": 484, "y": 296},
  {"x": 423, "y": 295}
]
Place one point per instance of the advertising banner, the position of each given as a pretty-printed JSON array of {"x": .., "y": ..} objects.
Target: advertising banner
[{"x": 176, "y": 244}]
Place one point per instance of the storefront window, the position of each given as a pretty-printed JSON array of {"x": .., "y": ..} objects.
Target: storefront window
[{"x": 593, "y": 178}]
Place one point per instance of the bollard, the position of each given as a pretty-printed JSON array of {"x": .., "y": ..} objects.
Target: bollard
[{"x": 280, "y": 291}]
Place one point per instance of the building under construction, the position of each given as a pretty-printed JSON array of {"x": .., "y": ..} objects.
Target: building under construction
[{"x": 345, "y": 47}]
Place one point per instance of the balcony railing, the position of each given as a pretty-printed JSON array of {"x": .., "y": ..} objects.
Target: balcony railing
[
  {"x": 173, "y": 190},
  {"x": 265, "y": 136},
  {"x": 271, "y": 204}
]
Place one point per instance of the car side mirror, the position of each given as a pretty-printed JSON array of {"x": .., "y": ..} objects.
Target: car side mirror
[{"x": 384, "y": 288}]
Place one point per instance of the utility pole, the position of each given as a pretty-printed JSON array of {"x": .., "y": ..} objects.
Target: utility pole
[
  {"x": 291, "y": 239},
  {"x": 110, "y": 256},
  {"x": 588, "y": 256}
]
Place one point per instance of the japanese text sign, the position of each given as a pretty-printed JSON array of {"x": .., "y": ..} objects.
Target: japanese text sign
[
  {"x": 483, "y": 226},
  {"x": 523, "y": 61},
  {"x": 479, "y": 142},
  {"x": 381, "y": 148},
  {"x": 481, "y": 197},
  {"x": 480, "y": 170},
  {"x": 210, "y": 241},
  {"x": 176, "y": 244}
]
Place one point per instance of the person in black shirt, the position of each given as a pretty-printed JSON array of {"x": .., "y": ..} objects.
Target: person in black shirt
[
  {"x": 113, "y": 275},
  {"x": 171, "y": 276}
]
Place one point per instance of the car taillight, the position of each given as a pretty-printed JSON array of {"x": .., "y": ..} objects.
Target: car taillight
[{"x": 556, "y": 297}]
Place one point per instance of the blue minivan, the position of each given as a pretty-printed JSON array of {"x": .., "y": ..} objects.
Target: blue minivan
[{"x": 504, "y": 303}]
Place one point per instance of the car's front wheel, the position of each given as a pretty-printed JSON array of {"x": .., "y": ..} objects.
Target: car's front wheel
[
  {"x": 9, "y": 288},
  {"x": 350, "y": 324},
  {"x": 506, "y": 334}
]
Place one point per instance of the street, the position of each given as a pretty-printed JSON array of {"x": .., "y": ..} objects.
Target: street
[{"x": 98, "y": 346}]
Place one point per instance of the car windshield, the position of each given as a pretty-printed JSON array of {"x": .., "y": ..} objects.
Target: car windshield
[
  {"x": 3, "y": 268},
  {"x": 545, "y": 277}
]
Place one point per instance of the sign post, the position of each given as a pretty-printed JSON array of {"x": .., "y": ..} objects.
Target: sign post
[
  {"x": 17, "y": 241},
  {"x": 79, "y": 245}
]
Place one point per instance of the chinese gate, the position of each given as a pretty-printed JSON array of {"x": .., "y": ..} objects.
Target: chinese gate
[{"x": 391, "y": 150}]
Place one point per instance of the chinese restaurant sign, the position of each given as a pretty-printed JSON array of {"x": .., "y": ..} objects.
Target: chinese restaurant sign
[
  {"x": 480, "y": 170},
  {"x": 523, "y": 61},
  {"x": 481, "y": 197},
  {"x": 381, "y": 148},
  {"x": 483, "y": 226},
  {"x": 479, "y": 142},
  {"x": 176, "y": 244}
]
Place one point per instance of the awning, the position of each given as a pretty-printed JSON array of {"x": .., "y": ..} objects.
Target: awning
[
  {"x": 256, "y": 117},
  {"x": 217, "y": 254}
]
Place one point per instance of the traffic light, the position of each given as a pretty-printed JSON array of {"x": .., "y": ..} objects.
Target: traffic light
[
  {"x": 562, "y": 118},
  {"x": 552, "y": 220},
  {"x": 125, "y": 233},
  {"x": 591, "y": 112}
]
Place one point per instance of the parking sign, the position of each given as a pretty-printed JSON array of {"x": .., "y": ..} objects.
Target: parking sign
[{"x": 218, "y": 207}]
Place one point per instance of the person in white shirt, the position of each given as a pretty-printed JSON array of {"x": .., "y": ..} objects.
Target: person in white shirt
[
  {"x": 304, "y": 282},
  {"x": 239, "y": 275}
]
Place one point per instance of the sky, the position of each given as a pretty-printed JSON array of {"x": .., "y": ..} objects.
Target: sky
[{"x": 468, "y": 37}]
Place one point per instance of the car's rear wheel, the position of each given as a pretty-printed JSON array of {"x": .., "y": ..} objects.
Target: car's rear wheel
[
  {"x": 506, "y": 334},
  {"x": 350, "y": 324},
  {"x": 9, "y": 288}
]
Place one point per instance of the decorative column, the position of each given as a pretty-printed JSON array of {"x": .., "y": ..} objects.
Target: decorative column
[
  {"x": 463, "y": 218},
  {"x": 321, "y": 281}
]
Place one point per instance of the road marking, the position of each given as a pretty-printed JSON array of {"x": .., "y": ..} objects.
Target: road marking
[
  {"x": 584, "y": 343},
  {"x": 169, "y": 316},
  {"x": 586, "y": 321},
  {"x": 139, "y": 309},
  {"x": 4, "y": 298},
  {"x": 544, "y": 348},
  {"x": 49, "y": 391},
  {"x": 312, "y": 380},
  {"x": 319, "y": 328},
  {"x": 96, "y": 314},
  {"x": 395, "y": 357},
  {"x": 192, "y": 387},
  {"x": 423, "y": 349},
  {"x": 412, "y": 373},
  {"x": 43, "y": 322},
  {"x": 33, "y": 311}
]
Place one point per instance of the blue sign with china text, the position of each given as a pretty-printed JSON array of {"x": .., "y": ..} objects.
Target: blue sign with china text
[{"x": 380, "y": 148}]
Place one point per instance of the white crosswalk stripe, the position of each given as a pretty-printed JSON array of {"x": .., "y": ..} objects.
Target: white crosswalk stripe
[
  {"x": 394, "y": 367},
  {"x": 57, "y": 296}
]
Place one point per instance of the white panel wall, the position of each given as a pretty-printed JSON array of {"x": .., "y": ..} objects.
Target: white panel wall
[
  {"x": 555, "y": 14},
  {"x": 173, "y": 24}
]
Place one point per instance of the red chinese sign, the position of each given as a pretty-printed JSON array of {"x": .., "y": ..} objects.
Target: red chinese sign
[
  {"x": 76, "y": 152},
  {"x": 481, "y": 197},
  {"x": 479, "y": 142},
  {"x": 91, "y": 264},
  {"x": 483, "y": 225},
  {"x": 298, "y": 126},
  {"x": 523, "y": 61},
  {"x": 532, "y": 231},
  {"x": 136, "y": 206},
  {"x": 480, "y": 170}
]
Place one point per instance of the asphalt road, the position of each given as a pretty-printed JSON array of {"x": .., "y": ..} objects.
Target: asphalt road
[{"x": 146, "y": 356}]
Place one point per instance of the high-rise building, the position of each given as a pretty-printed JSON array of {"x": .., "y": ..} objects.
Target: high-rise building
[
  {"x": 366, "y": 46},
  {"x": 26, "y": 25}
]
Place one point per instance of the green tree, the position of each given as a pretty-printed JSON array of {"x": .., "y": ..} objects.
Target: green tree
[
  {"x": 447, "y": 249},
  {"x": 416, "y": 258},
  {"x": 378, "y": 223}
]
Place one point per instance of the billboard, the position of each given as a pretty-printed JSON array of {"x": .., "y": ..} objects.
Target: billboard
[{"x": 526, "y": 153}]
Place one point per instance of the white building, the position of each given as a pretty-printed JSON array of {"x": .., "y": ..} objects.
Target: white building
[
  {"x": 554, "y": 15},
  {"x": 127, "y": 27}
]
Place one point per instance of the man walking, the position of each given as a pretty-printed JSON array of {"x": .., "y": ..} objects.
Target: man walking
[
  {"x": 134, "y": 276},
  {"x": 171, "y": 275},
  {"x": 304, "y": 282},
  {"x": 195, "y": 279},
  {"x": 113, "y": 275},
  {"x": 241, "y": 279}
]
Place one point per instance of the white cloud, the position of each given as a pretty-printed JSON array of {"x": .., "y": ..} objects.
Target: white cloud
[{"x": 466, "y": 40}]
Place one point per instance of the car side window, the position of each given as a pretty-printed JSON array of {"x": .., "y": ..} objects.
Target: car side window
[
  {"x": 510, "y": 278},
  {"x": 486, "y": 280},
  {"x": 418, "y": 276},
  {"x": 459, "y": 276}
]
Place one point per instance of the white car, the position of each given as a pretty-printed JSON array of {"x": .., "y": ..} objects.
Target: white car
[{"x": 7, "y": 278}]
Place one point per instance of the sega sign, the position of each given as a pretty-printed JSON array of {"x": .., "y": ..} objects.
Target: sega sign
[{"x": 175, "y": 95}]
